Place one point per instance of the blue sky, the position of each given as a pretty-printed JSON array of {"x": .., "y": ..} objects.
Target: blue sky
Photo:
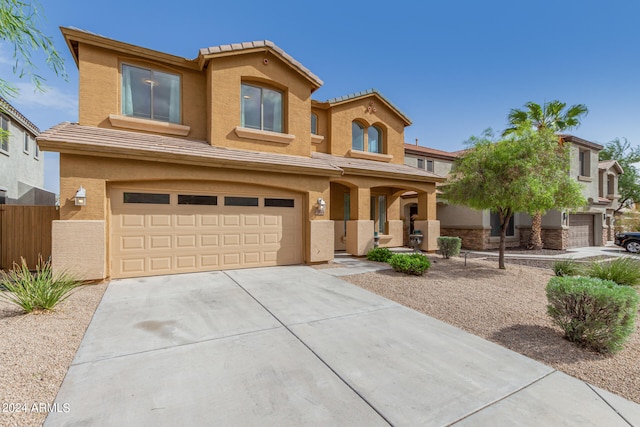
[{"x": 454, "y": 67}]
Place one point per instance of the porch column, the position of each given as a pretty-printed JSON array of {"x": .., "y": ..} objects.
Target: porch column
[
  {"x": 395, "y": 226},
  {"x": 360, "y": 226},
  {"x": 426, "y": 220}
]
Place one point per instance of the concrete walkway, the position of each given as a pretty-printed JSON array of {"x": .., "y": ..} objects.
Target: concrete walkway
[
  {"x": 610, "y": 250},
  {"x": 294, "y": 346}
]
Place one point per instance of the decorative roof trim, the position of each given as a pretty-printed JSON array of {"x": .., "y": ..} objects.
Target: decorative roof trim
[
  {"x": 16, "y": 115},
  {"x": 363, "y": 94}
]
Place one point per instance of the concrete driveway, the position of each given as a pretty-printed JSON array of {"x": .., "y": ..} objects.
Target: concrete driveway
[{"x": 294, "y": 346}]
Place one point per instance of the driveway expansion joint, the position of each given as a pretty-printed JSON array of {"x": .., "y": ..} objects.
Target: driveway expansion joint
[
  {"x": 313, "y": 352},
  {"x": 608, "y": 404}
]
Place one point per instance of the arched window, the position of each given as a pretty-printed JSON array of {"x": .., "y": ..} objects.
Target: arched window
[
  {"x": 374, "y": 135},
  {"x": 357, "y": 136},
  {"x": 314, "y": 123}
]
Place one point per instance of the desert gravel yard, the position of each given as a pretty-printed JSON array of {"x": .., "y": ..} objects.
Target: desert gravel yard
[
  {"x": 36, "y": 351},
  {"x": 507, "y": 307}
]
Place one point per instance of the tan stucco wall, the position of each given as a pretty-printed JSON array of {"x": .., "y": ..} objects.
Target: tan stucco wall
[
  {"x": 100, "y": 88},
  {"x": 431, "y": 232},
  {"x": 387, "y": 120},
  {"x": 322, "y": 241},
  {"x": 360, "y": 237},
  {"x": 323, "y": 130},
  {"x": 224, "y": 78},
  {"x": 79, "y": 248}
]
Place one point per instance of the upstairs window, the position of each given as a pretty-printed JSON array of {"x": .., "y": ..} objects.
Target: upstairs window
[
  {"x": 4, "y": 134},
  {"x": 314, "y": 124},
  {"x": 357, "y": 136},
  {"x": 36, "y": 153},
  {"x": 611, "y": 185},
  {"x": 261, "y": 108},
  {"x": 150, "y": 94},
  {"x": 374, "y": 135},
  {"x": 26, "y": 143},
  {"x": 420, "y": 163},
  {"x": 585, "y": 163},
  {"x": 430, "y": 165}
]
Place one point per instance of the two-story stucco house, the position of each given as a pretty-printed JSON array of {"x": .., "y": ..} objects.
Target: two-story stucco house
[
  {"x": 591, "y": 225},
  {"x": 21, "y": 163},
  {"x": 223, "y": 161}
]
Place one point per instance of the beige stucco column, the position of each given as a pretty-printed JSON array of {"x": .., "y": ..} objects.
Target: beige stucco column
[
  {"x": 395, "y": 227},
  {"x": 426, "y": 221},
  {"x": 320, "y": 236},
  {"x": 360, "y": 226}
]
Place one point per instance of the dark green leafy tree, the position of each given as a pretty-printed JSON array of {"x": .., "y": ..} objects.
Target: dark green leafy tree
[
  {"x": 629, "y": 182},
  {"x": 19, "y": 27},
  {"x": 553, "y": 116},
  {"x": 506, "y": 176}
]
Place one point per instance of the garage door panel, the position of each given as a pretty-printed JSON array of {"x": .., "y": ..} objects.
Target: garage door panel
[
  {"x": 581, "y": 230},
  {"x": 153, "y": 239}
]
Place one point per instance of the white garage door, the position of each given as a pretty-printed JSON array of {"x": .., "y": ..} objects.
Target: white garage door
[
  {"x": 580, "y": 230},
  {"x": 166, "y": 232}
]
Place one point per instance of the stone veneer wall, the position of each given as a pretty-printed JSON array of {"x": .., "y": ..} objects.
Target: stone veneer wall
[
  {"x": 475, "y": 238},
  {"x": 552, "y": 238}
]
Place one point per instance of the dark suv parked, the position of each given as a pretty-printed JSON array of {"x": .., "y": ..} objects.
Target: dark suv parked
[{"x": 629, "y": 240}]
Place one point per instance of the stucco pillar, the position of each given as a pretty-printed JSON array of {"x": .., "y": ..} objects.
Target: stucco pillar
[
  {"x": 360, "y": 204},
  {"x": 359, "y": 237},
  {"x": 393, "y": 207},
  {"x": 395, "y": 235},
  {"x": 427, "y": 206},
  {"x": 321, "y": 241},
  {"x": 431, "y": 231}
]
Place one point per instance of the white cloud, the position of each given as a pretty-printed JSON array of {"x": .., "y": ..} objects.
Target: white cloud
[{"x": 52, "y": 98}]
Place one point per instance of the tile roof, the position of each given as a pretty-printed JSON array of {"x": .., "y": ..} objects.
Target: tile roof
[
  {"x": 370, "y": 167},
  {"x": 607, "y": 164},
  {"x": 12, "y": 112},
  {"x": 266, "y": 44},
  {"x": 580, "y": 141},
  {"x": 432, "y": 151},
  {"x": 368, "y": 92},
  {"x": 89, "y": 140}
]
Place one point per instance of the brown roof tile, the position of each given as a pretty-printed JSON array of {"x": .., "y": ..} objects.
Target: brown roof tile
[
  {"x": 89, "y": 140},
  {"x": 431, "y": 152}
]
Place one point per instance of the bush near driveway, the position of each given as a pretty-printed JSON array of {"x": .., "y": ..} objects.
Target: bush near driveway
[
  {"x": 379, "y": 254},
  {"x": 594, "y": 313},
  {"x": 37, "y": 291},
  {"x": 414, "y": 264},
  {"x": 567, "y": 267},
  {"x": 449, "y": 246}
]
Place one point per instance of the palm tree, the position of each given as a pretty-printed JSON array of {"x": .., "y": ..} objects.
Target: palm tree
[{"x": 551, "y": 115}]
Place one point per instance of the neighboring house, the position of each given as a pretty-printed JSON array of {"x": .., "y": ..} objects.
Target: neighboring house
[
  {"x": 223, "y": 161},
  {"x": 591, "y": 225},
  {"x": 21, "y": 163}
]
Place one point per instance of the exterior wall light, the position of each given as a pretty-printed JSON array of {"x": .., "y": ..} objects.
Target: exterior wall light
[
  {"x": 81, "y": 197},
  {"x": 320, "y": 207}
]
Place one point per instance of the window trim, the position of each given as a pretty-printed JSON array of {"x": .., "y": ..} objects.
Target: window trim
[
  {"x": 282, "y": 107},
  {"x": 36, "y": 151},
  {"x": 26, "y": 142},
  {"x": 314, "y": 124},
  {"x": 177, "y": 120},
  {"x": 379, "y": 142},
  {"x": 430, "y": 168},
  {"x": 4, "y": 140}
]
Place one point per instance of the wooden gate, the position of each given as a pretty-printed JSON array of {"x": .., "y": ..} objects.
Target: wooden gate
[{"x": 25, "y": 231}]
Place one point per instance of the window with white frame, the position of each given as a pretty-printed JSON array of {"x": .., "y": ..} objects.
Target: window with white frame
[
  {"x": 314, "y": 123},
  {"x": 36, "y": 152},
  {"x": 420, "y": 163},
  {"x": 150, "y": 94},
  {"x": 4, "y": 134},
  {"x": 26, "y": 143},
  {"x": 430, "y": 165},
  {"x": 261, "y": 108},
  {"x": 366, "y": 138}
]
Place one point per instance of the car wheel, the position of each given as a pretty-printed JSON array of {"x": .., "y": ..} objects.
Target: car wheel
[{"x": 632, "y": 246}]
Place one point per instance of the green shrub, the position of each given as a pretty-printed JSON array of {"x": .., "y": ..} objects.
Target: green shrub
[
  {"x": 449, "y": 246},
  {"x": 37, "y": 291},
  {"x": 379, "y": 254},
  {"x": 623, "y": 271},
  {"x": 592, "y": 312},
  {"x": 414, "y": 264},
  {"x": 567, "y": 267}
]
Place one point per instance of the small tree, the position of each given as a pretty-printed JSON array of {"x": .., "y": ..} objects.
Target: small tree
[
  {"x": 528, "y": 171},
  {"x": 629, "y": 181},
  {"x": 551, "y": 116}
]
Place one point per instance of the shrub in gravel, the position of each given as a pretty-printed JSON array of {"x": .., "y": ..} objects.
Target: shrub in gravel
[
  {"x": 415, "y": 264},
  {"x": 37, "y": 291},
  {"x": 379, "y": 254},
  {"x": 449, "y": 246},
  {"x": 567, "y": 267},
  {"x": 623, "y": 271},
  {"x": 592, "y": 312}
]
